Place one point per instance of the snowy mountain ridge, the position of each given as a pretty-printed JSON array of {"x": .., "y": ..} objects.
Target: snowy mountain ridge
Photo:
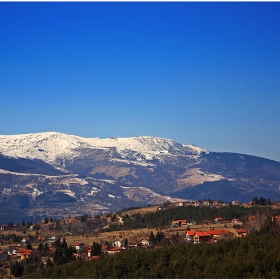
[{"x": 49, "y": 146}]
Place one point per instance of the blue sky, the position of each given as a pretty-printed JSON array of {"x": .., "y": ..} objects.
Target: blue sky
[{"x": 199, "y": 73}]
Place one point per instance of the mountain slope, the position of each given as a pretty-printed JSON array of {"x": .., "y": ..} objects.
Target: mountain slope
[{"x": 94, "y": 174}]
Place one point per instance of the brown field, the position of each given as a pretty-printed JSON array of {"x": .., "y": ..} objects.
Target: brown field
[
  {"x": 132, "y": 235},
  {"x": 138, "y": 234}
]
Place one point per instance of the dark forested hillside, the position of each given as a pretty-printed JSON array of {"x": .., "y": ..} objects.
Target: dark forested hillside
[{"x": 257, "y": 256}]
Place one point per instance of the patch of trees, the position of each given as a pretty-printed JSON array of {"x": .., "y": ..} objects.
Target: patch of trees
[
  {"x": 261, "y": 201},
  {"x": 163, "y": 218},
  {"x": 63, "y": 253}
]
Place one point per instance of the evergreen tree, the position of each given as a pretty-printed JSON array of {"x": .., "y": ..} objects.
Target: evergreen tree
[
  {"x": 159, "y": 236},
  {"x": 49, "y": 263},
  {"x": 17, "y": 269},
  {"x": 46, "y": 247},
  {"x": 40, "y": 247},
  {"x": 28, "y": 245},
  {"x": 152, "y": 238},
  {"x": 95, "y": 249}
]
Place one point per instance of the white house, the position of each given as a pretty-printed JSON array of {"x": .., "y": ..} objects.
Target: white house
[{"x": 117, "y": 243}]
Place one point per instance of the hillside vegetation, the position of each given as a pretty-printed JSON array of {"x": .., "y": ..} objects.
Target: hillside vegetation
[{"x": 252, "y": 257}]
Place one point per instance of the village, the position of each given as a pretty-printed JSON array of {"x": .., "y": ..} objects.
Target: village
[{"x": 20, "y": 242}]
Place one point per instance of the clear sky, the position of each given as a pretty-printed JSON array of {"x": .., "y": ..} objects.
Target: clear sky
[{"x": 198, "y": 73}]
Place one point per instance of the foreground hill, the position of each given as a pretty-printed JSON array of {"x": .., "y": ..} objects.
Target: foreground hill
[
  {"x": 252, "y": 257},
  {"x": 58, "y": 174}
]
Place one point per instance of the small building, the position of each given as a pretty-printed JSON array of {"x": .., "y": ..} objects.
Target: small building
[
  {"x": 215, "y": 203},
  {"x": 241, "y": 232},
  {"x": 218, "y": 220},
  {"x": 117, "y": 243},
  {"x": 179, "y": 223},
  {"x": 115, "y": 250},
  {"x": 180, "y": 203},
  {"x": 202, "y": 237},
  {"x": 145, "y": 242},
  {"x": 79, "y": 246},
  {"x": 3, "y": 227},
  {"x": 219, "y": 233},
  {"x": 189, "y": 235},
  {"x": 206, "y": 203}
]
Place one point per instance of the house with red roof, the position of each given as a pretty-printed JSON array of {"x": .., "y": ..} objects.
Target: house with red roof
[
  {"x": 202, "y": 237},
  {"x": 218, "y": 220},
  {"x": 241, "y": 232},
  {"x": 179, "y": 223},
  {"x": 197, "y": 203},
  {"x": 115, "y": 250},
  {"x": 218, "y": 233},
  {"x": 194, "y": 236},
  {"x": 24, "y": 253}
]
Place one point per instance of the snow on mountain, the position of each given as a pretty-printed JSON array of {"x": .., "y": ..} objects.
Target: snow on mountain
[
  {"x": 141, "y": 192},
  {"x": 51, "y": 146},
  {"x": 197, "y": 149}
]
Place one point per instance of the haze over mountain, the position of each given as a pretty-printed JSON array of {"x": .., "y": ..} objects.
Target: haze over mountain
[{"x": 58, "y": 174}]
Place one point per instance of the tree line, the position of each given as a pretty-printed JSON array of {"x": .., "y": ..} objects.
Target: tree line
[
  {"x": 257, "y": 256},
  {"x": 164, "y": 217}
]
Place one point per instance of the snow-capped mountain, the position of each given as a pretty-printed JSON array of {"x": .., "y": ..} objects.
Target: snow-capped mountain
[
  {"x": 50, "y": 147},
  {"x": 41, "y": 171}
]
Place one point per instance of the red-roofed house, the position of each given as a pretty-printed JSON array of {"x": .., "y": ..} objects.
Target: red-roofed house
[
  {"x": 202, "y": 237},
  {"x": 24, "y": 253},
  {"x": 179, "y": 223},
  {"x": 198, "y": 236},
  {"x": 220, "y": 233},
  {"x": 197, "y": 203},
  {"x": 115, "y": 250},
  {"x": 218, "y": 220},
  {"x": 189, "y": 235},
  {"x": 241, "y": 232}
]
